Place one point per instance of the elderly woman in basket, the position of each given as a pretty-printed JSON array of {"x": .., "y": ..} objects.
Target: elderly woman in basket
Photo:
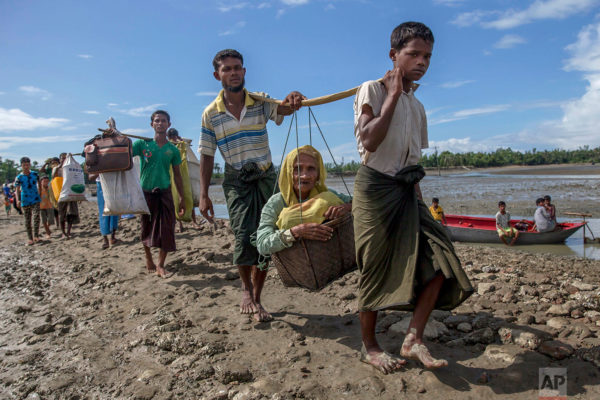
[{"x": 302, "y": 205}]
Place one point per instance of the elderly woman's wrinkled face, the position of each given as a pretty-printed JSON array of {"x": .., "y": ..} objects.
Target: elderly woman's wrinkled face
[{"x": 306, "y": 174}]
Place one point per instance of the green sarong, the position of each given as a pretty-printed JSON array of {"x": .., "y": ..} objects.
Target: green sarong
[
  {"x": 246, "y": 192},
  {"x": 399, "y": 246}
]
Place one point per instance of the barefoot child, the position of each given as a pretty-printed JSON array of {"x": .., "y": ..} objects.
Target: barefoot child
[
  {"x": 46, "y": 209},
  {"x": 503, "y": 225},
  {"x": 406, "y": 260},
  {"x": 68, "y": 211},
  {"x": 29, "y": 199},
  {"x": 156, "y": 158}
]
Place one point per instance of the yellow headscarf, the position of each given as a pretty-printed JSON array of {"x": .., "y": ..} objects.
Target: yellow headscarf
[{"x": 319, "y": 199}]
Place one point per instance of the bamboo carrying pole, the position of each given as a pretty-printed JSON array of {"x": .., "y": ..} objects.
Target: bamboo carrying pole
[
  {"x": 139, "y": 137},
  {"x": 329, "y": 98}
]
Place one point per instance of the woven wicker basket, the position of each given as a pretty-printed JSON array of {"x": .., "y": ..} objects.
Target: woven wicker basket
[{"x": 312, "y": 264}]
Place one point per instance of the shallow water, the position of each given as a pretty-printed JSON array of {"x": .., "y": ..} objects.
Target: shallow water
[{"x": 478, "y": 194}]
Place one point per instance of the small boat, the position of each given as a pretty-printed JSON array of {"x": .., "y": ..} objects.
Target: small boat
[{"x": 464, "y": 228}]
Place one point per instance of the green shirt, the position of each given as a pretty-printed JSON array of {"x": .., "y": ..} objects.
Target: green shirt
[{"x": 156, "y": 162}]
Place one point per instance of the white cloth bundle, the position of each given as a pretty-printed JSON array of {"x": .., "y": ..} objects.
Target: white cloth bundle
[
  {"x": 122, "y": 191},
  {"x": 73, "y": 188}
]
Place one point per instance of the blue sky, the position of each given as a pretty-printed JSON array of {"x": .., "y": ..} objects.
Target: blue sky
[{"x": 504, "y": 73}]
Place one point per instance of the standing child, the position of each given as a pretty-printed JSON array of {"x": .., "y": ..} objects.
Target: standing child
[
  {"x": 29, "y": 199},
  {"x": 437, "y": 212},
  {"x": 503, "y": 225},
  {"x": 46, "y": 208},
  {"x": 406, "y": 260},
  {"x": 7, "y": 205}
]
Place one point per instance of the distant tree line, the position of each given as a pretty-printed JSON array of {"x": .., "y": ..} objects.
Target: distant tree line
[
  {"x": 502, "y": 157},
  {"x": 9, "y": 169},
  {"x": 499, "y": 158}
]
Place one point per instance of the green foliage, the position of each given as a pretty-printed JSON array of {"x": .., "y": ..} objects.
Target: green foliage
[
  {"x": 502, "y": 157},
  {"x": 9, "y": 170}
]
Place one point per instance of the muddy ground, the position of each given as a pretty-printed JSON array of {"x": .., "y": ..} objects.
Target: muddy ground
[{"x": 79, "y": 322}]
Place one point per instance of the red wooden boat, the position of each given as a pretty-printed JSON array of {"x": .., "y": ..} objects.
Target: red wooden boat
[{"x": 463, "y": 228}]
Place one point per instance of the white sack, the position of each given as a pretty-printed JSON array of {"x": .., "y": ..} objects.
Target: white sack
[
  {"x": 73, "y": 188},
  {"x": 194, "y": 172},
  {"x": 122, "y": 192}
]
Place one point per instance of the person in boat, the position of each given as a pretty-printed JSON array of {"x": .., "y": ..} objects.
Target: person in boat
[
  {"x": 505, "y": 230},
  {"x": 542, "y": 217},
  {"x": 550, "y": 208},
  {"x": 437, "y": 212},
  {"x": 406, "y": 260},
  {"x": 236, "y": 124},
  {"x": 302, "y": 205}
]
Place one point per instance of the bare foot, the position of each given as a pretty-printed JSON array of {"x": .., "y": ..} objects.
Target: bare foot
[
  {"x": 48, "y": 236},
  {"x": 150, "y": 266},
  {"x": 413, "y": 350},
  {"x": 30, "y": 243},
  {"x": 105, "y": 245},
  {"x": 247, "y": 305},
  {"x": 262, "y": 315},
  {"x": 162, "y": 272},
  {"x": 384, "y": 362},
  {"x": 36, "y": 239},
  {"x": 114, "y": 241}
]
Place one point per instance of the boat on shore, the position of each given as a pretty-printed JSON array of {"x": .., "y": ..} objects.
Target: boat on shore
[{"x": 463, "y": 228}]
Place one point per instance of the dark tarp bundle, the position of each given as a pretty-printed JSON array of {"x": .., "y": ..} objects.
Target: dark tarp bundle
[
  {"x": 399, "y": 247},
  {"x": 246, "y": 192}
]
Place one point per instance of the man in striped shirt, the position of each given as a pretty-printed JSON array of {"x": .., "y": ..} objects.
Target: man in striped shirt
[{"x": 235, "y": 123}]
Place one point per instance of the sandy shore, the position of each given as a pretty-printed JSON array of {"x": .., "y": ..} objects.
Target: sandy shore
[
  {"x": 78, "y": 322},
  {"x": 551, "y": 169}
]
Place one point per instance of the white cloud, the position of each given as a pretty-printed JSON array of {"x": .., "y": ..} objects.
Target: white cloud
[
  {"x": 85, "y": 56},
  {"x": 17, "y": 120},
  {"x": 469, "y": 112},
  {"x": 235, "y": 29},
  {"x": 92, "y": 112},
  {"x": 112, "y": 104},
  {"x": 509, "y": 41},
  {"x": 538, "y": 10},
  {"x": 461, "y": 145},
  {"x": 578, "y": 125},
  {"x": 234, "y": 6},
  {"x": 7, "y": 142},
  {"x": 207, "y": 93},
  {"x": 294, "y": 2},
  {"x": 471, "y": 17},
  {"x": 549, "y": 9},
  {"x": 280, "y": 13},
  {"x": 35, "y": 92},
  {"x": 263, "y": 5},
  {"x": 144, "y": 111},
  {"x": 455, "y": 84},
  {"x": 329, "y": 7}
]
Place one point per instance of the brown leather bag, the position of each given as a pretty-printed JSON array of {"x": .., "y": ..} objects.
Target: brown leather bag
[{"x": 108, "y": 153}]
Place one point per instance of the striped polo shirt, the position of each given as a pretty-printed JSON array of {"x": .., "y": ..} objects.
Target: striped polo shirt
[{"x": 239, "y": 141}]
